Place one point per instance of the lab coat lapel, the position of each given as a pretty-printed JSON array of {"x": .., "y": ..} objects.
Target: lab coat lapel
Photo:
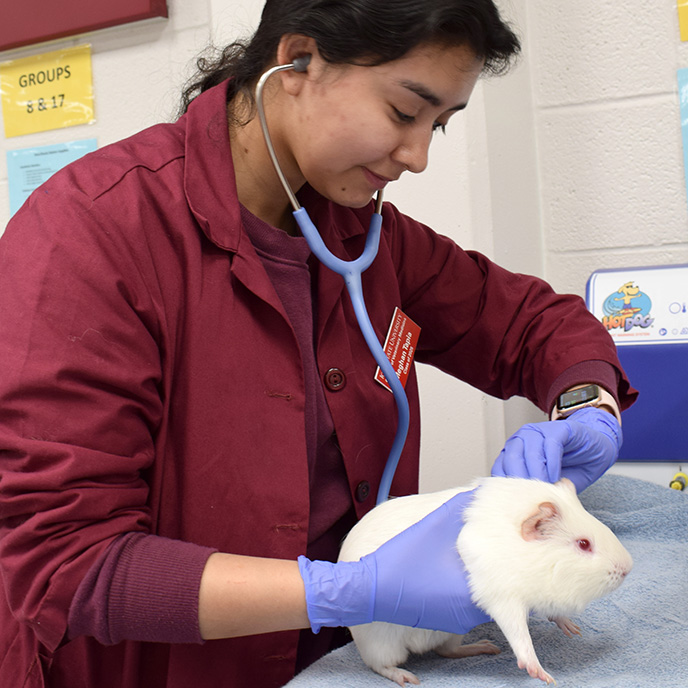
[
  {"x": 210, "y": 186},
  {"x": 248, "y": 268}
]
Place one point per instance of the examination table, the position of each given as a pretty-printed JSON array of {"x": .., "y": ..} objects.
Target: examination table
[{"x": 636, "y": 637}]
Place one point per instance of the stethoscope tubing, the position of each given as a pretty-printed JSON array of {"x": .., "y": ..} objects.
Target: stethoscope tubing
[{"x": 351, "y": 271}]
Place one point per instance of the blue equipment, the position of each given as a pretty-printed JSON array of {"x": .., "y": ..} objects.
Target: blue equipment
[{"x": 646, "y": 312}]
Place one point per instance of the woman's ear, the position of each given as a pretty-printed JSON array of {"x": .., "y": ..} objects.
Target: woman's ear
[{"x": 293, "y": 46}]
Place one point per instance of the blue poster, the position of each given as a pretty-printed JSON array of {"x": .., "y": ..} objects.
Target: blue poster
[{"x": 28, "y": 168}]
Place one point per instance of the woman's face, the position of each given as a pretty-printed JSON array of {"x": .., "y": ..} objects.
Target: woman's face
[{"x": 351, "y": 129}]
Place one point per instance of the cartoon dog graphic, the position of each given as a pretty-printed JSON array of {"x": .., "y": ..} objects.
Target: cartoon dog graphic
[{"x": 629, "y": 291}]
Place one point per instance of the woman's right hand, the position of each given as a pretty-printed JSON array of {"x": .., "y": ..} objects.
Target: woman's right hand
[{"x": 415, "y": 579}]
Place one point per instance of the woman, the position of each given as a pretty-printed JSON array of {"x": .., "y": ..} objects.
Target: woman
[{"x": 187, "y": 405}]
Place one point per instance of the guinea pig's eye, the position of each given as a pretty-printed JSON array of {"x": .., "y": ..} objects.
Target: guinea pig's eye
[{"x": 584, "y": 545}]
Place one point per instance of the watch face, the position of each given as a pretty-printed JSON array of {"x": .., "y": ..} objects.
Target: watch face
[{"x": 578, "y": 396}]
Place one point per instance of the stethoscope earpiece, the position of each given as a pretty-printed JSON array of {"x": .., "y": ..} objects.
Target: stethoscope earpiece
[{"x": 301, "y": 63}]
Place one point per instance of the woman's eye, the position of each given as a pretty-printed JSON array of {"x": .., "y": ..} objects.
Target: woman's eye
[
  {"x": 410, "y": 119},
  {"x": 406, "y": 119}
]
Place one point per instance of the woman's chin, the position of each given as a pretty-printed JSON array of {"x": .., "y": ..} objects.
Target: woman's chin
[{"x": 353, "y": 201}]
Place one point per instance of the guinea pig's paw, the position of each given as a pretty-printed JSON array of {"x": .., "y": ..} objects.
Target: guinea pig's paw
[
  {"x": 398, "y": 675},
  {"x": 535, "y": 670},
  {"x": 567, "y": 626},
  {"x": 453, "y": 649}
]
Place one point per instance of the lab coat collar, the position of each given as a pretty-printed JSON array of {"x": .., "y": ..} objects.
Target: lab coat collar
[{"x": 209, "y": 180}]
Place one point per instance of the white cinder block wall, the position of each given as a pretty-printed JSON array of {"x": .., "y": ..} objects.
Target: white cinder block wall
[
  {"x": 570, "y": 163},
  {"x": 608, "y": 133}
]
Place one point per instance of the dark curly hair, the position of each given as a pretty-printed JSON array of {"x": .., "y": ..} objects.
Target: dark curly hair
[{"x": 369, "y": 32}]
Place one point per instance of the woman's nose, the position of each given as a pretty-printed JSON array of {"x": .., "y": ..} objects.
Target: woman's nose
[{"x": 412, "y": 152}]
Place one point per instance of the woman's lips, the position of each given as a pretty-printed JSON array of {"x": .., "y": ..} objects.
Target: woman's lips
[{"x": 375, "y": 180}]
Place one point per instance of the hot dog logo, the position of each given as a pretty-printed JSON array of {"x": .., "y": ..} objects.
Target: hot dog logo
[{"x": 627, "y": 308}]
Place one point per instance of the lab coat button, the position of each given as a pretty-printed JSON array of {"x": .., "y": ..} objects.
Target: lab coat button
[
  {"x": 335, "y": 380},
  {"x": 362, "y": 491}
]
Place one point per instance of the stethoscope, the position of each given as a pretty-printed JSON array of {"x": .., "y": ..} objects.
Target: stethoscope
[{"x": 351, "y": 272}]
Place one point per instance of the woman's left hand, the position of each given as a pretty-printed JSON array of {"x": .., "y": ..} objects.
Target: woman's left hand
[{"x": 581, "y": 447}]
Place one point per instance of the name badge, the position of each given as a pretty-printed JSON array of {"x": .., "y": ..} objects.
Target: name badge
[{"x": 400, "y": 347}]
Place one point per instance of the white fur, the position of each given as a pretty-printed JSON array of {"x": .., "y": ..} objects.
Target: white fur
[{"x": 509, "y": 576}]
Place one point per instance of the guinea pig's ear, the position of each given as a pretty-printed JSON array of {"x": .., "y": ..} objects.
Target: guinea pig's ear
[
  {"x": 567, "y": 483},
  {"x": 541, "y": 524}
]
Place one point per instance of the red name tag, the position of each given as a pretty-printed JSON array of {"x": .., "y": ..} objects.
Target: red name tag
[{"x": 400, "y": 347}]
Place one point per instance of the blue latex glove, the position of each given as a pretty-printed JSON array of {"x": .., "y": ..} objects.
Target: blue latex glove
[
  {"x": 415, "y": 579},
  {"x": 581, "y": 447}
]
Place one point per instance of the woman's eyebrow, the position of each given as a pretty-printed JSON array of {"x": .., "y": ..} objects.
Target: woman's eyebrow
[{"x": 427, "y": 95}]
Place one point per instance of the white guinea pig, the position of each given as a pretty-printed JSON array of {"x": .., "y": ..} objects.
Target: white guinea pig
[{"x": 528, "y": 546}]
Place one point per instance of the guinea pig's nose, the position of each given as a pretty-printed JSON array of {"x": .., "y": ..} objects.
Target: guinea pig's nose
[
  {"x": 618, "y": 573},
  {"x": 622, "y": 570}
]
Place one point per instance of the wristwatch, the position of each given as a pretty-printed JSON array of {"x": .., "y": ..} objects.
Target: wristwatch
[{"x": 581, "y": 397}]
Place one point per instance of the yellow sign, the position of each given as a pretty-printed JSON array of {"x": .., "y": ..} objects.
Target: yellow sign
[
  {"x": 48, "y": 91},
  {"x": 683, "y": 18}
]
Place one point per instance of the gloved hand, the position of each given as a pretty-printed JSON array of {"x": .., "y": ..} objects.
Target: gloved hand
[
  {"x": 581, "y": 447},
  {"x": 415, "y": 579}
]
